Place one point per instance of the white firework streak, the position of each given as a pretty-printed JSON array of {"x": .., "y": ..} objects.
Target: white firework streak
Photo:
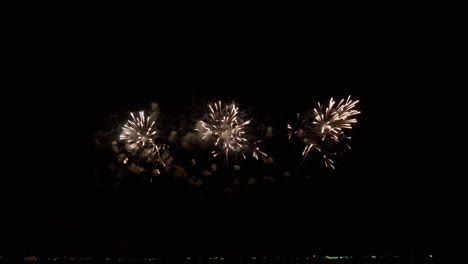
[
  {"x": 138, "y": 131},
  {"x": 329, "y": 123},
  {"x": 227, "y": 130}
]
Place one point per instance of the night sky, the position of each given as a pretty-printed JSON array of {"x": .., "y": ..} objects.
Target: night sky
[{"x": 383, "y": 196}]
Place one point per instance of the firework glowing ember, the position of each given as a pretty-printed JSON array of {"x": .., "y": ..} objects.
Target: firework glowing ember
[
  {"x": 227, "y": 130},
  {"x": 324, "y": 129}
]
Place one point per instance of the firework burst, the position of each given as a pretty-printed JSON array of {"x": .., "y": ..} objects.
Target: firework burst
[
  {"x": 138, "y": 132},
  {"x": 333, "y": 120},
  {"x": 227, "y": 130},
  {"x": 324, "y": 130}
]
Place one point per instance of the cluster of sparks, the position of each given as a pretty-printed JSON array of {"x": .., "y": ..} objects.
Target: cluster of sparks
[
  {"x": 328, "y": 123},
  {"x": 227, "y": 130}
]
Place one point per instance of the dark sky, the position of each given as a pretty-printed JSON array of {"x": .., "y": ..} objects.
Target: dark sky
[{"x": 382, "y": 198}]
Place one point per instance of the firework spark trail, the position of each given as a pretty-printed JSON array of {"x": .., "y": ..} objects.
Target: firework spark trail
[
  {"x": 227, "y": 130},
  {"x": 326, "y": 127},
  {"x": 156, "y": 154},
  {"x": 138, "y": 131}
]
